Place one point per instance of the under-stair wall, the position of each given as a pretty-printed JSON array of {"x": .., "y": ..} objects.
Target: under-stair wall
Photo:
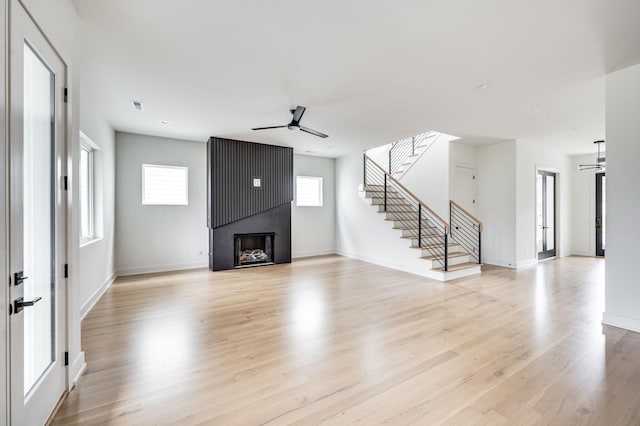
[
  {"x": 386, "y": 232},
  {"x": 361, "y": 232}
]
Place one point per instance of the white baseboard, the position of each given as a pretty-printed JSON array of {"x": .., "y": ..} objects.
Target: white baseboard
[
  {"x": 621, "y": 321},
  {"x": 388, "y": 264},
  {"x": 312, "y": 253},
  {"x": 86, "y": 308},
  {"x": 526, "y": 262},
  {"x": 162, "y": 268},
  {"x": 494, "y": 262},
  {"x": 582, "y": 253},
  {"x": 77, "y": 369}
]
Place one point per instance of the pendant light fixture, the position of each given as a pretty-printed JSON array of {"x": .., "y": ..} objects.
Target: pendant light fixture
[{"x": 600, "y": 163}]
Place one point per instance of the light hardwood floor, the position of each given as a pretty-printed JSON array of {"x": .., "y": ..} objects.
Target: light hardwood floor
[{"x": 338, "y": 341}]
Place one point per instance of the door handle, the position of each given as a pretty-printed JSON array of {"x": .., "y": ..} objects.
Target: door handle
[
  {"x": 19, "y": 304},
  {"x": 19, "y": 278}
]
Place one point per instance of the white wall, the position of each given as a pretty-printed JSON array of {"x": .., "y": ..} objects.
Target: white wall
[
  {"x": 97, "y": 259},
  {"x": 531, "y": 157},
  {"x": 622, "y": 291},
  {"x": 462, "y": 153},
  {"x": 313, "y": 229},
  {"x": 59, "y": 22},
  {"x": 428, "y": 179},
  {"x": 380, "y": 155},
  {"x": 159, "y": 238},
  {"x": 583, "y": 206},
  {"x": 497, "y": 202}
]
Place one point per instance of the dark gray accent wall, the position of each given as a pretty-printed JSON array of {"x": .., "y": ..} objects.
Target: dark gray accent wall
[
  {"x": 232, "y": 167},
  {"x": 236, "y": 206}
]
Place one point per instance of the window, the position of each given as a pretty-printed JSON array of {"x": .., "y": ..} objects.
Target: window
[
  {"x": 308, "y": 191},
  {"x": 86, "y": 192},
  {"x": 165, "y": 185}
]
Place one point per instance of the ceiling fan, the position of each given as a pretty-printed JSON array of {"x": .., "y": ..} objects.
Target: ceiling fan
[
  {"x": 295, "y": 123},
  {"x": 600, "y": 161}
]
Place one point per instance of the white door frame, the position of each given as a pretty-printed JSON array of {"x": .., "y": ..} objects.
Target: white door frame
[{"x": 4, "y": 292}]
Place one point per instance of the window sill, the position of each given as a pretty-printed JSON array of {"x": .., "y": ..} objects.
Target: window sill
[{"x": 88, "y": 242}]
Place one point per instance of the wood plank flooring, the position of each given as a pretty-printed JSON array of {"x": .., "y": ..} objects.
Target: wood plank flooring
[{"x": 337, "y": 341}]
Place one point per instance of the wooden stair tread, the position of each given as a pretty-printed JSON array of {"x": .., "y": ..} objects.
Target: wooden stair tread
[
  {"x": 455, "y": 254},
  {"x": 430, "y": 246}
]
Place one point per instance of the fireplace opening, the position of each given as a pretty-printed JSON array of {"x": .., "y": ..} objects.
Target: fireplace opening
[{"x": 253, "y": 249}]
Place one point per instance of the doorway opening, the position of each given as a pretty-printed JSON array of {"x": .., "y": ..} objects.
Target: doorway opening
[
  {"x": 601, "y": 207},
  {"x": 546, "y": 214}
]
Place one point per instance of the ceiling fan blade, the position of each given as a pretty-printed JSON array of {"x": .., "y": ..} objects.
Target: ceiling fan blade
[
  {"x": 297, "y": 114},
  {"x": 270, "y": 127},
  {"x": 313, "y": 132}
]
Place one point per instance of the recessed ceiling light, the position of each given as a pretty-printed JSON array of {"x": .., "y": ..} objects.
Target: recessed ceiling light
[
  {"x": 483, "y": 86},
  {"x": 536, "y": 110},
  {"x": 574, "y": 129},
  {"x": 164, "y": 122},
  {"x": 137, "y": 105}
]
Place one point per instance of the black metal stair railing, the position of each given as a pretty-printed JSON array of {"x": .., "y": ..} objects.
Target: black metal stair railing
[
  {"x": 466, "y": 230},
  {"x": 422, "y": 223},
  {"x": 401, "y": 150}
]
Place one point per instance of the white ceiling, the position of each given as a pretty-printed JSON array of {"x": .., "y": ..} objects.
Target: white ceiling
[{"x": 369, "y": 72}]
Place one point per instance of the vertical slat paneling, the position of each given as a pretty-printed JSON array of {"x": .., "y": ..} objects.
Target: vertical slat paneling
[{"x": 234, "y": 164}]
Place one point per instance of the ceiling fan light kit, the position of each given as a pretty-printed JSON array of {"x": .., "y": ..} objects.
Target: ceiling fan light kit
[
  {"x": 295, "y": 123},
  {"x": 600, "y": 163}
]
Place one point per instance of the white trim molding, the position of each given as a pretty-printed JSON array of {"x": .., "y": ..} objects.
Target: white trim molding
[
  {"x": 621, "y": 321},
  {"x": 86, "y": 308},
  {"x": 162, "y": 268}
]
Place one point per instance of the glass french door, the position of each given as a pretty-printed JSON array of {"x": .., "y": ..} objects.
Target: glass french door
[
  {"x": 546, "y": 214},
  {"x": 37, "y": 240},
  {"x": 601, "y": 212}
]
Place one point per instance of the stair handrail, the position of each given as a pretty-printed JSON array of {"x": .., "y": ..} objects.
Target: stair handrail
[
  {"x": 425, "y": 215},
  {"x": 466, "y": 230},
  {"x": 441, "y": 221},
  {"x": 403, "y": 148}
]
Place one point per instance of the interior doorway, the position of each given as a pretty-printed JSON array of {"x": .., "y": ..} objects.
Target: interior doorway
[
  {"x": 464, "y": 187},
  {"x": 601, "y": 212},
  {"x": 546, "y": 214}
]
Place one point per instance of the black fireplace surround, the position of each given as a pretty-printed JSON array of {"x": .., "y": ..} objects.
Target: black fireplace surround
[{"x": 249, "y": 194}]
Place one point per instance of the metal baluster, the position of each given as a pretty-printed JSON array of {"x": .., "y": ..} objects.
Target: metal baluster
[
  {"x": 479, "y": 246},
  {"x": 420, "y": 225},
  {"x": 385, "y": 192},
  {"x": 446, "y": 252},
  {"x": 364, "y": 177}
]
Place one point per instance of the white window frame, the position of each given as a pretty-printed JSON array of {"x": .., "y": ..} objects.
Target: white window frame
[
  {"x": 146, "y": 202},
  {"x": 320, "y": 199},
  {"x": 87, "y": 146}
]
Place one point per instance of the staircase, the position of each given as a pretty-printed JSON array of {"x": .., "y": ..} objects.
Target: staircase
[
  {"x": 405, "y": 152},
  {"x": 447, "y": 255}
]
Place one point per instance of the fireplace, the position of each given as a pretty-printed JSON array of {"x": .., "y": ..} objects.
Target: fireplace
[{"x": 253, "y": 249}]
